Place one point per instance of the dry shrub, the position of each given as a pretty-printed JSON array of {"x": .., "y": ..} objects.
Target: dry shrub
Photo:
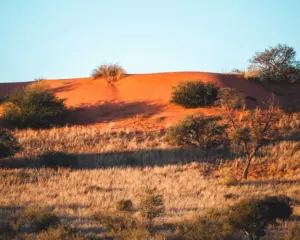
[
  {"x": 198, "y": 131},
  {"x": 60, "y": 233},
  {"x": 124, "y": 205},
  {"x": 111, "y": 72},
  {"x": 36, "y": 218},
  {"x": 293, "y": 231},
  {"x": 116, "y": 223},
  {"x": 152, "y": 204},
  {"x": 8, "y": 143}
]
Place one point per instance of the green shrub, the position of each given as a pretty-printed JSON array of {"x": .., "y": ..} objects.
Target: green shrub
[
  {"x": 34, "y": 107},
  {"x": 231, "y": 98},
  {"x": 37, "y": 219},
  {"x": 58, "y": 159},
  {"x": 200, "y": 131},
  {"x": 254, "y": 215},
  {"x": 194, "y": 94},
  {"x": 60, "y": 233},
  {"x": 152, "y": 204},
  {"x": 111, "y": 72},
  {"x": 8, "y": 143},
  {"x": 125, "y": 205}
]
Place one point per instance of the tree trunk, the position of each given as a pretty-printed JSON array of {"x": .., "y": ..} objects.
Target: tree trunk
[
  {"x": 249, "y": 235},
  {"x": 248, "y": 163}
]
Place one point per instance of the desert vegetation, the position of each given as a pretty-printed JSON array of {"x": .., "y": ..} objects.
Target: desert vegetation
[
  {"x": 194, "y": 94},
  {"x": 35, "y": 106},
  {"x": 230, "y": 175},
  {"x": 110, "y": 72}
]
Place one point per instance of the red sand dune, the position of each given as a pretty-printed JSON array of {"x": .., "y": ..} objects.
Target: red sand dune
[{"x": 140, "y": 101}]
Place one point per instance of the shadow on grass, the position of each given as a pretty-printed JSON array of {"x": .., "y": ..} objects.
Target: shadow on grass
[
  {"x": 139, "y": 158},
  {"x": 269, "y": 182}
]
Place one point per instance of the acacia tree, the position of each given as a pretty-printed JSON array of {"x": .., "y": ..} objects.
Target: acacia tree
[
  {"x": 276, "y": 64},
  {"x": 248, "y": 130}
]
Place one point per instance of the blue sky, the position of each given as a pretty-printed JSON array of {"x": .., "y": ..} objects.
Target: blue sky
[{"x": 68, "y": 38}]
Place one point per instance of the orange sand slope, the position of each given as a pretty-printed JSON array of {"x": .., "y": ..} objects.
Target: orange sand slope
[{"x": 139, "y": 101}]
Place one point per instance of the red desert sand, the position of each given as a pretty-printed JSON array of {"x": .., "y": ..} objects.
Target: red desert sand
[{"x": 142, "y": 101}]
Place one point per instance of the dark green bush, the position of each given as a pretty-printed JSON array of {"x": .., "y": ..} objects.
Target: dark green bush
[
  {"x": 194, "y": 94},
  {"x": 200, "y": 131},
  {"x": 254, "y": 215},
  {"x": 125, "y": 205},
  {"x": 34, "y": 107},
  {"x": 58, "y": 159},
  {"x": 8, "y": 143}
]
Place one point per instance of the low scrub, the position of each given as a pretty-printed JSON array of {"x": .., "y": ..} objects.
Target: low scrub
[
  {"x": 254, "y": 215},
  {"x": 35, "y": 106},
  {"x": 194, "y": 94},
  {"x": 35, "y": 219},
  {"x": 116, "y": 223},
  {"x": 125, "y": 205},
  {"x": 197, "y": 131},
  {"x": 60, "y": 233},
  {"x": 8, "y": 143},
  {"x": 152, "y": 204},
  {"x": 58, "y": 159}
]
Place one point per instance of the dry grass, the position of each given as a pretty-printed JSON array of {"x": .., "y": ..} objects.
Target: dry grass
[{"x": 189, "y": 189}]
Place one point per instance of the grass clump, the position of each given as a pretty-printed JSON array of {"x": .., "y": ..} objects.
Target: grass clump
[
  {"x": 58, "y": 159},
  {"x": 115, "y": 223},
  {"x": 35, "y": 106},
  {"x": 8, "y": 143},
  {"x": 197, "y": 131},
  {"x": 293, "y": 231},
  {"x": 124, "y": 205},
  {"x": 213, "y": 226},
  {"x": 36, "y": 218},
  {"x": 110, "y": 72},
  {"x": 194, "y": 94},
  {"x": 152, "y": 204},
  {"x": 60, "y": 233}
]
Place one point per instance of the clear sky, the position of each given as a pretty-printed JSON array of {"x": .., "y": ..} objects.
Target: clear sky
[{"x": 68, "y": 38}]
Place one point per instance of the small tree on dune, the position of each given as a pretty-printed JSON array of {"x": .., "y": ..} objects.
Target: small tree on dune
[{"x": 277, "y": 64}]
